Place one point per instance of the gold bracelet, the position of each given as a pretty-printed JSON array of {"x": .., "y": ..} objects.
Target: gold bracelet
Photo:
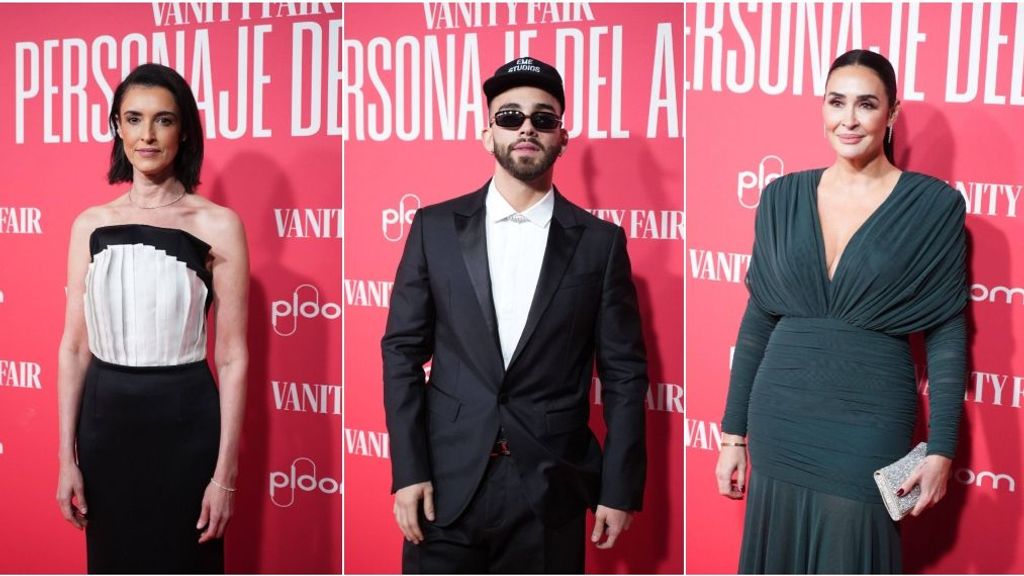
[
  {"x": 734, "y": 444},
  {"x": 222, "y": 487}
]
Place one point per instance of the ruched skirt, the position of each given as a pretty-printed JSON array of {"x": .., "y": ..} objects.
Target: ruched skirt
[
  {"x": 830, "y": 404},
  {"x": 147, "y": 447}
]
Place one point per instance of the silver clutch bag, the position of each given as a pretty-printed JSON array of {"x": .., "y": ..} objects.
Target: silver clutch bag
[{"x": 891, "y": 477}]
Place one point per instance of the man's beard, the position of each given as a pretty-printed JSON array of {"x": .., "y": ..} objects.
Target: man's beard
[{"x": 528, "y": 169}]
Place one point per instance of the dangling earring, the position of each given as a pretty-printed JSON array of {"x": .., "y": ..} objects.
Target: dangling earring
[{"x": 888, "y": 138}]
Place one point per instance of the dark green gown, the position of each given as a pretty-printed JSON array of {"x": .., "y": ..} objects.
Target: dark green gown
[{"x": 823, "y": 380}]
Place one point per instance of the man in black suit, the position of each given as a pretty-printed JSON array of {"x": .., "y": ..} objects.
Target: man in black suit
[{"x": 513, "y": 292}]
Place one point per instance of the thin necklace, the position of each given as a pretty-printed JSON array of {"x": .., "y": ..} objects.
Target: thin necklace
[{"x": 132, "y": 202}]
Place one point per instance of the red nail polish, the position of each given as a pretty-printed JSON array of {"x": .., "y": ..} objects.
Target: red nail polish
[{"x": 899, "y": 492}]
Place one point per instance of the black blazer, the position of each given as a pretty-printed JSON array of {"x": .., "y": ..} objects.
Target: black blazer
[{"x": 584, "y": 308}]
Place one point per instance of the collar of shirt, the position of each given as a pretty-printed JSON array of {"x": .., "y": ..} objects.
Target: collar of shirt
[{"x": 498, "y": 209}]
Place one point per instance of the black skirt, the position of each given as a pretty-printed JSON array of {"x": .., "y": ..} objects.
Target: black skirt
[{"x": 147, "y": 446}]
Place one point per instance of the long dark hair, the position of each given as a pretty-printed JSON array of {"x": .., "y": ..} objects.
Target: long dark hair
[
  {"x": 189, "y": 160},
  {"x": 883, "y": 68}
]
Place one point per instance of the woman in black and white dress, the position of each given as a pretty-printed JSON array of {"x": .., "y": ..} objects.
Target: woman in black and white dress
[{"x": 148, "y": 440}]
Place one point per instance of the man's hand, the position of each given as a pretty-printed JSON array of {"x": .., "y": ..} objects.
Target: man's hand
[
  {"x": 612, "y": 522},
  {"x": 407, "y": 507}
]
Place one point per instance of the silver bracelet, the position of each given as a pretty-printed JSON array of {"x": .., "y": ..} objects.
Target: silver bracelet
[{"x": 222, "y": 487}]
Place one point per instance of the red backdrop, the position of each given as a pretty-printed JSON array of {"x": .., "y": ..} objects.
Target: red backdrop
[
  {"x": 267, "y": 78},
  {"x": 755, "y": 78},
  {"x": 413, "y": 113}
]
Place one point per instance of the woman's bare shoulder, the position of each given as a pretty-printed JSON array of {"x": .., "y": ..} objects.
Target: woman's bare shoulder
[
  {"x": 218, "y": 223},
  {"x": 95, "y": 217}
]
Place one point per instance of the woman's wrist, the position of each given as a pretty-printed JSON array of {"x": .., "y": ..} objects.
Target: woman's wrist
[
  {"x": 230, "y": 488},
  {"x": 225, "y": 476},
  {"x": 733, "y": 441}
]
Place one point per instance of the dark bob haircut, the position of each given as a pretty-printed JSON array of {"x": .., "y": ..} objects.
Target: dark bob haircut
[
  {"x": 189, "y": 159},
  {"x": 881, "y": 66}
]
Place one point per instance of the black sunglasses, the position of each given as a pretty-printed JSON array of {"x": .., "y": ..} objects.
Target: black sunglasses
[{"x": 514, "y": 119}]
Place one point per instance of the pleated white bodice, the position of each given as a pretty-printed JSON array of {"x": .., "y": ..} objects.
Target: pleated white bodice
[{"x": 147, "y": 292}]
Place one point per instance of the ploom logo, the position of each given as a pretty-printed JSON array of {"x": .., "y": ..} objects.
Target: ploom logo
[
  {"x": 982, "y": 293},
  {"x": 985, "y": 478},
  {"x": 284, "y": 484},
  {"x": 393, "y": 222},
  {"x": 750, "y": 184},
  {"x": 20, "y": 220},
  {"x": 19, "y": 374},
  {"x": 310, "y": 308}
]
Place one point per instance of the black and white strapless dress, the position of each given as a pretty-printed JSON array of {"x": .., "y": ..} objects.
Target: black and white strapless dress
[{"x": 149, "y": 426}]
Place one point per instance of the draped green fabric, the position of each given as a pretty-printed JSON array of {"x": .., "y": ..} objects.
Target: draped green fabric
[{"x": 823, "y": 379}]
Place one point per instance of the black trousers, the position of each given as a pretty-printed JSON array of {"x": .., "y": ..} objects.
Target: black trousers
[{"x": 498, "y": 533}]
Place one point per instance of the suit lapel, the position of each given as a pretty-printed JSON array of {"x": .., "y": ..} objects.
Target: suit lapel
[
  {"x": 470, "y": 227},
  {"x": 563, "y": 237}
]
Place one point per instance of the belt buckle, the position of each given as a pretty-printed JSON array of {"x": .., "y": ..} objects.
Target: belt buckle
[{"x": 500, "y": 449}]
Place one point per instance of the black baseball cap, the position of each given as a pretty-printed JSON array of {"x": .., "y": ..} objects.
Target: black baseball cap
[{"x": 526, "y": 72}]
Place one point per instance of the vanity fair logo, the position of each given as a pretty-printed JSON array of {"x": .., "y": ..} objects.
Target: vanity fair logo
[
  {"x": 661, "y": 396},
  {"x": 309, "y": 222},
  {"x": 646, "y": 224},
  {"x": 718, "y": 266},
  {"x": 19, "y": 374},
  {"x": 985, "y": 479},
  {"x": 305, "y": 303},
  {"x": 20, "y": 220},
  {"x": 369, "y": 443},
  {"x": 995, "y": 389},
  {"x": 368, "y": 293},
  {"x": 701, "y": 434},
  {"x": 997, "y": 294},
  {"x": 301, "y": 476},
  {"x": 308, "y": 398},
  {"x": 394, "y": 222},
  {"x": 985, "y": 199},
  {"x": 751, "y": 183}
]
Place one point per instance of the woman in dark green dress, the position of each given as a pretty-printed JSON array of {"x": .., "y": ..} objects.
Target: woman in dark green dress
[{"x": 847, "y": 262}]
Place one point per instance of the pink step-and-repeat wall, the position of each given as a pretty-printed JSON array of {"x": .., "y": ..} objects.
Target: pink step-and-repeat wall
[
  {"x": 755, "y": 79},
  {"x": 267, "y": 78},
  {"x": 413, "y": 115}
]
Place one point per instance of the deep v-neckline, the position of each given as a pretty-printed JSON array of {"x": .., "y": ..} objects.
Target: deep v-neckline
[{"x": 841, "y": 257}]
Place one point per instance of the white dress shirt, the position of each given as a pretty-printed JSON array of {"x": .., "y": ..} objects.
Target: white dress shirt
[{"x": 515, "y": 250}]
